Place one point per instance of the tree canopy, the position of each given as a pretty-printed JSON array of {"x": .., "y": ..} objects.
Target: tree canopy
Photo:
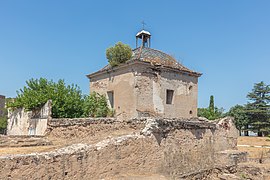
[
  {"x": 241, "y": 120},
  {"x": 255, "y": 115},
  {"x": 67, "y": 100},
  {"x": 118, "y": 54},
  {"x": 3, "y": 121},
  {"x": 95, "y": 105},
  {"x": 212, "y": 112},
  {"x": 258, "y": 108}
]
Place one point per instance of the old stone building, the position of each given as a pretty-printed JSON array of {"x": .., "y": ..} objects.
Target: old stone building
[{"x": 151, "y": 83}]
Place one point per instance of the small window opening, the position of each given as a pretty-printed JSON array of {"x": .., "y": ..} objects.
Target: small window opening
[
  {"x": 111, "y": 99},
  {"x": 190, "y": 112},
  {"x": 190, "y": 88},
  {"x": 169, "y": 96}
]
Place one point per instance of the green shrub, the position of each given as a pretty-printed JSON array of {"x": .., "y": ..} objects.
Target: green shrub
[
  {"x": 118, "y": 54},
  {"x": 67, "y": 100},
  {"x": 95, "y": 105},
  {"x": 3, "y": 120},
  {"x": 3, "y": 123},
  {"x": 111, "y": 113}
]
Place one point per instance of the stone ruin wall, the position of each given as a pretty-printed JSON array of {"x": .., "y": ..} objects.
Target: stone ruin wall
[
  {"x": 171, "y": 147},
  {"x": 91, "y": 129},
  {"x": 21, "y": 122}
]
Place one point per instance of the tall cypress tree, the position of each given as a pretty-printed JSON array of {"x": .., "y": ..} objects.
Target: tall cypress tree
[
  {"x": 211, "y": 112},
  {"x": 258, "y": 108},
  {"x": 211, "y": 105}
]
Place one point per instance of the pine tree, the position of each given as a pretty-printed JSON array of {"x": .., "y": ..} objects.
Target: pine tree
[{"x": 258, "y": 108}]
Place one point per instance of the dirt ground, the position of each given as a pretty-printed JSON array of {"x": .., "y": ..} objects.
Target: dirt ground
[
  {"x": 249, "y": 140},
  {"x": 253, "y": 151},
  {"x": 62, "y": 142}
]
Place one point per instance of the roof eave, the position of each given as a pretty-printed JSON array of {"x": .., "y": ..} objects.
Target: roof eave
[
  {"x": 109, "y": 70},
  {"x": 137, "y": 61}
]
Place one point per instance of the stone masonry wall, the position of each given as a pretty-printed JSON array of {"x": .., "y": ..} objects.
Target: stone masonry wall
[
  {"x": 175, "y": 148},
  {"x": 92, "y": 129}
]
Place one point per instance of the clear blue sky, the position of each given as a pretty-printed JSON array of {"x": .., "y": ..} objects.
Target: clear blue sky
[{"x": 227, "y": 40}]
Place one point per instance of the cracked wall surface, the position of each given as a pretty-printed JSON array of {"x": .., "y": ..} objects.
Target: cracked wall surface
[{"x": 140, "y": 91}]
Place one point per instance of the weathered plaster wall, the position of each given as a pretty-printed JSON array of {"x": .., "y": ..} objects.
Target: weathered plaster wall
[
  {"x": 186, "y": 92},
  {"x": 121, "y": 82},
  {"x": 21, "y": 122},
  {"x": 18, "y": 122},
  {"x": 175, "y": 148},
  {"x": 140, "y": 91},
  {"x": 151, "y": 86}
]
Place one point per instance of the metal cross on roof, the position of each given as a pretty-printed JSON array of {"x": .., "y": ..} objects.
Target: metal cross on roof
[{"x": 143, "y": 23}]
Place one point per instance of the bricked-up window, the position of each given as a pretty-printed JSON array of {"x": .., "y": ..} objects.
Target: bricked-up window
[
  {"x": 111, "y": 98},
  {"x": 169, "y": 96}
]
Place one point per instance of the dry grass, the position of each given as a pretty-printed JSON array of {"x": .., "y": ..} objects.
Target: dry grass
[
  {"x": 26, "y": 150},
  {"x": 254, "y": 141},
  {"x": 255, "y": 152}
]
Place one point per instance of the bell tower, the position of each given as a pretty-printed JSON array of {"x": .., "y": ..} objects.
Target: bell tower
[{"x": 144, "y": 36}]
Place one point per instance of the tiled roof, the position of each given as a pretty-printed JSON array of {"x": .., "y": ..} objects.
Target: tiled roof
[{"x": 156, "y": 58}]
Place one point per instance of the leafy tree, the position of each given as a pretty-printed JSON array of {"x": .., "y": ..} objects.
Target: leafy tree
[
  {"x": 3, "y": 124},
  {"x": 258, "y": 108},
  {"x": 119, "y": 53},
  {"x": 203, "y": 112},
  {"x": 102, "y": 107},
  {"x": 95, "y": 105},
  {"x": 67, "y": 101},
  {"x": 211, "y": 112},
  {"x": 241, "y": 119},
  {"x": 3, "y": 121}
]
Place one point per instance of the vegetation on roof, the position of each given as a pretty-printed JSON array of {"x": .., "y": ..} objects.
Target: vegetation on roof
[{"x": 119, "y": 53}]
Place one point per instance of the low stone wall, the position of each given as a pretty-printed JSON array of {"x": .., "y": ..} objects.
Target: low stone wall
[
  {"x": 173, "y": 148},
  {"x": 90, "y": 127}
]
